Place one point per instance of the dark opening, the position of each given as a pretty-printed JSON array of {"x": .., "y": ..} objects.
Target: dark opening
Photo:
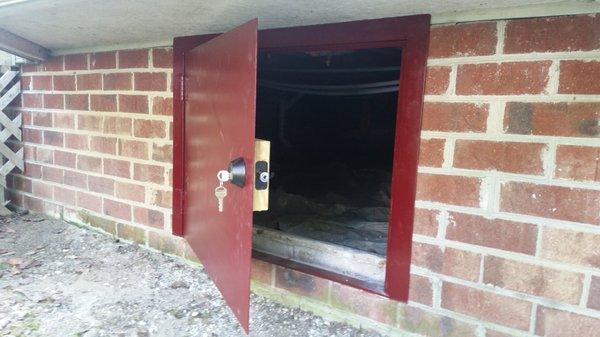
[{"x": 330, "y": 117}]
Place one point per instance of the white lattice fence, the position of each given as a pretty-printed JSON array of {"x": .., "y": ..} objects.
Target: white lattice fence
[{"x": 9, "y": 90}]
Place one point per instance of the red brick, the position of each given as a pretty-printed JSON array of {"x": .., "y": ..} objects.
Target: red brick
[
  {"x": 77, "y": 102},
  {"x": 495, "y": 233},
  {"x": 117, "y": 81},
  {"x": 53, "y": 64},
  {"x": 162, "y": 58},
  {"x": 426, "y": 323},
  {"x": 455, "y": 190},
  {"x": 162, "y": 106},
  {"x": 491, "y": 333},
  {"x": 117, "y": 209},
  {"x": 114, "y": 167},
  {"x": 144, "y": 128},
  {"x": 425, "y": 222},
  {"x": 103, "y": 102},
  {"x": 450, "y": 261},
  {"x": 552, "y": 34},
  {"x": 455, "y": 117},
  {"x": 553, "y": 119},
  {"x": 32, "y": 100},
  {"x": 135, "y": 58},
  {"x": 103, "y": 144},
  {"x": 510, "y": 157},
  {"x": 150, "y": 81},
  {"x": 26, "y": 83},
  {"x": 557, "y": 323},
  {"x": 486, "y": 306},
  {"x": 133, "y": 149},
  {"x": 508, "y": 78},
  {"x": 169, "y": 244},
  {"x": 432, "y": 152},
  {"x": 77, "y": 142},
  {"x": 66, "y": 159},
  {"x": 64, "y": 120},
  {"x": 44, "y": 155},
  {"x": 64, "y": 82},
  {"x": 22, "y": 184},
  {"x": 89, "y": 202},
  {"x": 32, "y": 136},
  {"x": 33, "y": 204},
  {"x": 579, "y": 77},
  {"x": 42, "y": 190},
  {"x": 578, "y": 162},
  {"x": 76, "y": 62},
  {"x": 41, "y": 119},
  {"x": 33, "y": 170},
  {"x": 357, "y": 301},
  {"x": 106, "y": 60},
  {"x": 41, "y": 82},
  {"x": 89, "y": 123},
  {"x": 149, "y": 173},
  {"x": 131, "y": 192},
  {"x": 593, "y": 301},
  {"x": 161, "y": 198},
  {"x": 87, "y": 163},
  {"x": 29, "y": 152},
  {"x": 148, "y": 217},
  {"x": 75, "y": 179},
  {"x": 554, "y": 202},
  {"x": 26, "y": 117},
  {"x": 558, "y": 285},
  {"x": 54, "y": 101},
  {"x": 101, "y": 185},
  {"x": 163, "y": 153},
  {"x": 89, "y": 82},
  {"x": 54, "y": 138},
  {"x": 420, "y": 290},
  {"x": 571, "y": 247},
  {"x": 261, "y": 271},
  {"x": 132, "y": 233},
  {"x": 117, "y": 125},
  {"x": 65, "y": 196},
  {"x": 463, "y": 40},
  {"x": 52, "y": 174},
  {"x": 133, "y": 103},
  {"x": 437, "y": 80}
]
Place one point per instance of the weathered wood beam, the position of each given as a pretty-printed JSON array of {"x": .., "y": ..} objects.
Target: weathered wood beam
[{"x": 21, "y": 47}]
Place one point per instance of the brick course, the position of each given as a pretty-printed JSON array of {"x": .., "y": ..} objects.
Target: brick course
[{"x": 508, "y": 198}]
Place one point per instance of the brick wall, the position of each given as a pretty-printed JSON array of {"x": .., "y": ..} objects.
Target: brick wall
[{"x": 507, "y": 228}]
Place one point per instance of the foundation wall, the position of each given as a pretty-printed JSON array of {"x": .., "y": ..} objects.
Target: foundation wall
[{"x": 507, "y": 228}]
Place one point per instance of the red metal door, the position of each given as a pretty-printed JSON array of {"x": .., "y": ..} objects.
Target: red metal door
[{"x": 220, "y": 104}]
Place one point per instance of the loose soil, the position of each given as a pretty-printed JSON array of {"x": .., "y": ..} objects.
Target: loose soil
[{"x": 57, "y": 279}]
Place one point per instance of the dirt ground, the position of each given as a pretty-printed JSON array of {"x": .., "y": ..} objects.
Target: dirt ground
[{"x": 60, "y": 280}]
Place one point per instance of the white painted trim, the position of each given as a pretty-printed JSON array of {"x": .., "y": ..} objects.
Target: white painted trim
[
  {"x": 483, "y": 14},
  {"x": 526, "y": 11},
  {"x": 114, "y": 47}
]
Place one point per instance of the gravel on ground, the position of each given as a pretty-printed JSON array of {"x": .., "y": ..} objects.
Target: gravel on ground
[{"x": 57, "y": 279}]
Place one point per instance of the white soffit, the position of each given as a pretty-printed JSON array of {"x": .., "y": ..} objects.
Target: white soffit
[{"x": 66, "y": 26}]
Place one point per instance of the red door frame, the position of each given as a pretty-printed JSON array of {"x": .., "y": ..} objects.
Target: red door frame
[{"x": 410, "y": 33}]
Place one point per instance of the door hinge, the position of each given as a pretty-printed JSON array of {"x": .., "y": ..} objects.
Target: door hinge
[{"x": 182, "y": 91}]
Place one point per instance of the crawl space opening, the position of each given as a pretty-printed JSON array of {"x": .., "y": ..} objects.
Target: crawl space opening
[{"x": 330, "y": 117}]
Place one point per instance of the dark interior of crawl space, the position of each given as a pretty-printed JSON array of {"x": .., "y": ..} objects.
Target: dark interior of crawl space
[{"x": 330, "y": 117}]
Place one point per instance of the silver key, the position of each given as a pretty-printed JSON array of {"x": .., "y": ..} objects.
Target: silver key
[{"x": 220, "y": 193}]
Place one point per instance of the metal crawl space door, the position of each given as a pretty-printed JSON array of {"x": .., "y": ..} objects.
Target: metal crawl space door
[{"x": 220, "y": 102}]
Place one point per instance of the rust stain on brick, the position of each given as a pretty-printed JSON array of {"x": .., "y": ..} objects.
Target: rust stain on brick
[{"x": 520, "y": 118}]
